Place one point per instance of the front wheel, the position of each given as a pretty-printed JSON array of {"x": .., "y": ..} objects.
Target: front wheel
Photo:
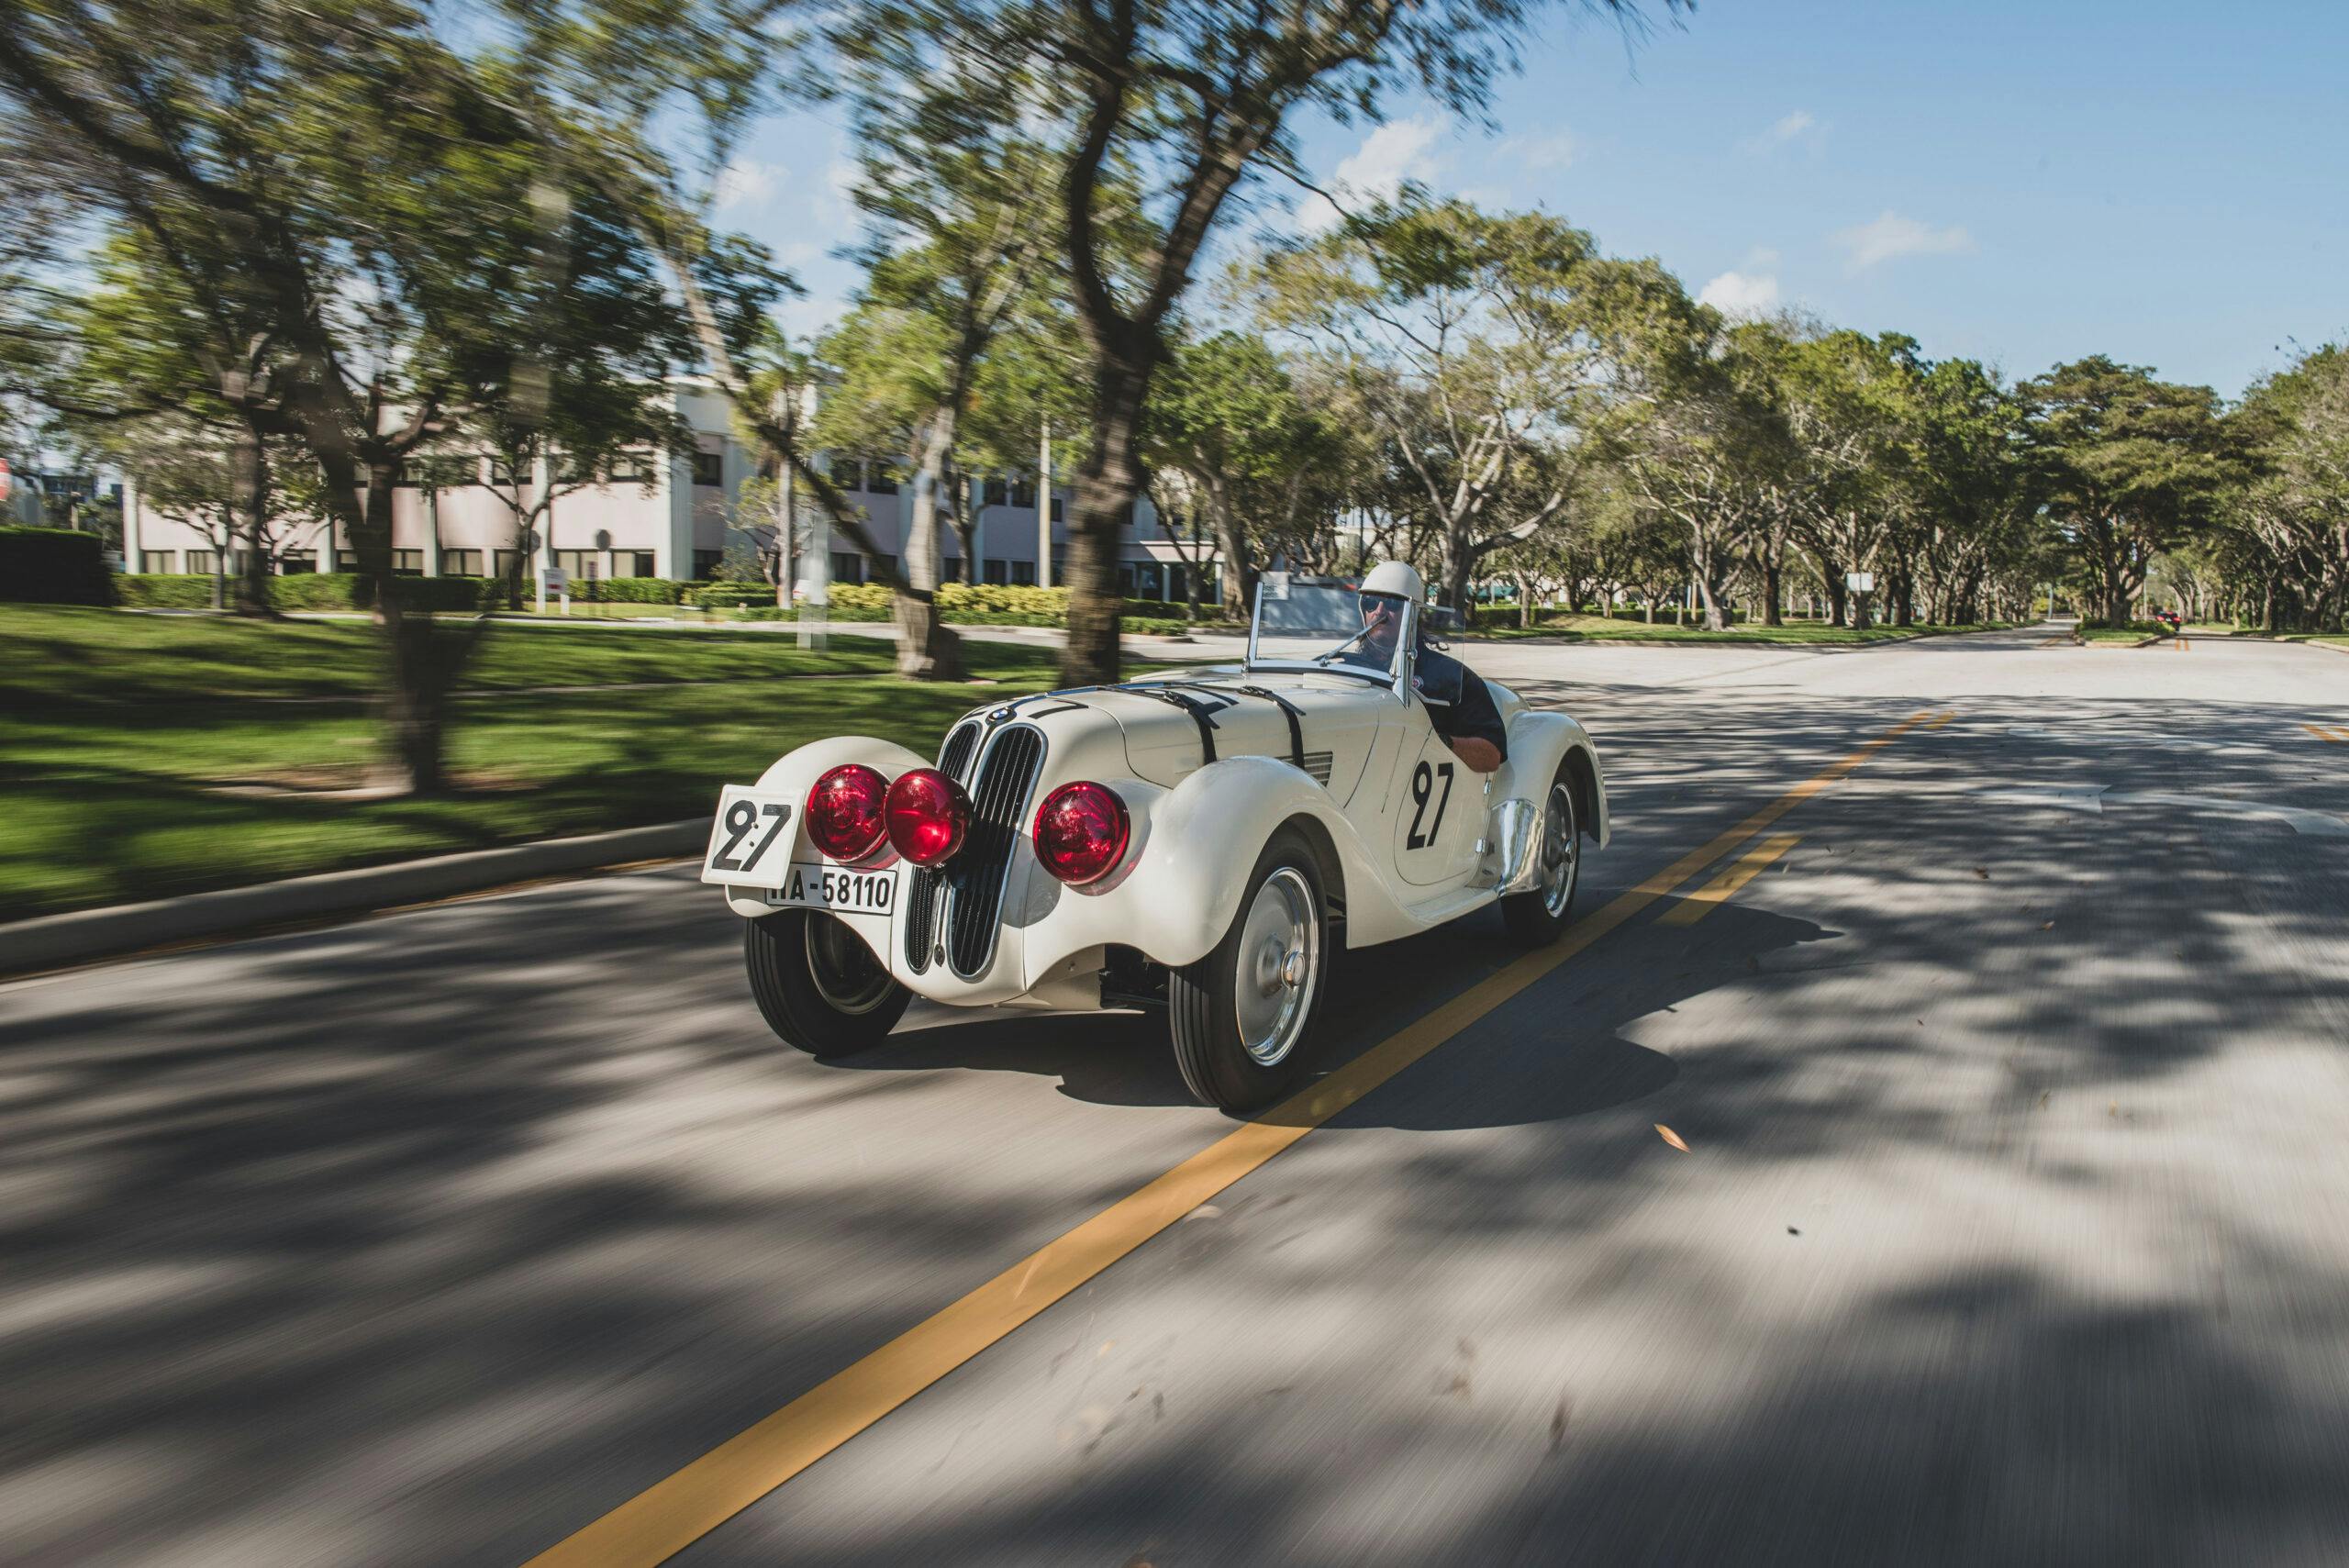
[
  {"x": 1539, "y": 915},
  {"x": 1240, "y": 1016},
  {"x": 816, "y": 984}
]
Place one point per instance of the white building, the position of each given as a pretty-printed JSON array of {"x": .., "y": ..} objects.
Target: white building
[{"x": 650, "y": 518}]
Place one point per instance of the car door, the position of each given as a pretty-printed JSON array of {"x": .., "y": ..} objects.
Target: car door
[{"x": 1438, "y": 807}]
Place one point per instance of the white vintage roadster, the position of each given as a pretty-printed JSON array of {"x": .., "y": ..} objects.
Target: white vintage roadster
[{"x": 1200, "y": 840}]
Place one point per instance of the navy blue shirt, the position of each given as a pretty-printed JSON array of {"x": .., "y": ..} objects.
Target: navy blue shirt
[{"x": 1458, "y": 701}]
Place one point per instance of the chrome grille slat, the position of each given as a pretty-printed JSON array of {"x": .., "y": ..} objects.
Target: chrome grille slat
[{"x": 1006, "y": 772}]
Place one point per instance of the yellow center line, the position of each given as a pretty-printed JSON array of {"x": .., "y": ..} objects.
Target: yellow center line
[
  {"x": 1719, "y": 891},
  {"x": 2323, "y": 733},
  {"x": 673, "y": 1513}
]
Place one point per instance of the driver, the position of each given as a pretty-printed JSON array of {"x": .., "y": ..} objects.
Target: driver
[{"x": 1458, "y": 701}]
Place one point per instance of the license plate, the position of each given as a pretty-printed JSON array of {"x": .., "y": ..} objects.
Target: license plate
[
  {"x": 812, "y": 885},
  {"x": 750, "y": 841}
]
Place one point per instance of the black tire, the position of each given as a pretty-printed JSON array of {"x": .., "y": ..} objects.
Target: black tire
[
  {"x": 1540, "y": 915},
  {"x": 816, "y": 984},
  {"x": 1285, "y": 899}
]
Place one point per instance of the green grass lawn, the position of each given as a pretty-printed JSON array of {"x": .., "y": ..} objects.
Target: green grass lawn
[
  {"x": 1574, "y": 628},
  {"x": 117, "y": 732}
]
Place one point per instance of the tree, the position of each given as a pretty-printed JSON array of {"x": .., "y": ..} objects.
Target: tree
[
  {"x": 1484, "y": 348},
  {"x": 295, "y": 171},
  {"x": 1187, "y": 102},
  {"x": 1229, "y": 418},
  {"x": 2134, "y": 465}
]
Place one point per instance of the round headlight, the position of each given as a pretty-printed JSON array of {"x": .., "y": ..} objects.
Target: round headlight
[
  {"x": 1081, "y": 832},
  {"x": 845, "y": 812},
  {"x": 928, "y": 815}
]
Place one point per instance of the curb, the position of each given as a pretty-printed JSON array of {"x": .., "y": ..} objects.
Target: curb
[{"x": 53, "y": 942}]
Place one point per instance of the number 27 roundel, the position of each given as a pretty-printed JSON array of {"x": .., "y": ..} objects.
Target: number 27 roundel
[{"x": 1430, "y": 793}]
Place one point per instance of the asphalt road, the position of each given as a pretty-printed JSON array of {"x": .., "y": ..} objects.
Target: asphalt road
[{"x": 2012, "y": 1227}]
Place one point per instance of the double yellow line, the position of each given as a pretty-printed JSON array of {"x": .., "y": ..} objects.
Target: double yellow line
[
  {"x": 2333, "y": 733},
  {"x": 672, "y": 1514}
]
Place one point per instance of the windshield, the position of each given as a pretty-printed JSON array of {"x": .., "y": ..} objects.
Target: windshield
[{"x": 1328, "y": 625}]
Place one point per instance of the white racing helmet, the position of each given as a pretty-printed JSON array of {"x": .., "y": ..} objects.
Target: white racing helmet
[{"x": 1395, "y": 579}]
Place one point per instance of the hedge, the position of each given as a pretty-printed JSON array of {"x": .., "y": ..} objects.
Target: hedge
[
  {"x": 308, "y": 591},
  {"x": 634, "y": 591},
  {"x": 53, "y": 566}
]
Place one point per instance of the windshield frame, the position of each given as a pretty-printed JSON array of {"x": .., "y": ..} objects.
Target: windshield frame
[{"x": 1396, "y": 677}]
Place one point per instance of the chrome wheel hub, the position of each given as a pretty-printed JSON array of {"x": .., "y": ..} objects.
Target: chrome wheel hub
[
  {"x": 1560, "y": 849},
  {"x": 846, "y": 974},
  {"x": 1280, "y": 951}
]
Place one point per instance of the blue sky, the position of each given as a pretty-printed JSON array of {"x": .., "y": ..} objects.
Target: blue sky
[{"x": 2165, "y": 182}]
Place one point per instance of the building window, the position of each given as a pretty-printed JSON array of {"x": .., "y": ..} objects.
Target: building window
[
  {"x": 505, "y": 559},
  {"x": 705, "y": 563},
  {"x": 1149, "y": 582},
  {"x": 1060, "y": 509},
  {"x": 1023, "y": 492},
  {"x": 632, "y": 564},
  {"x": 1125, "y": 579},
  {"x": 998, "y": 570},
  {"x": 568, "y": 470},
  {"x": 501, "y": 471},
  {"x": 950, "y": 568},
  {"x": 710, "y": 468},
  {"x": 847, "y": 566},
  {"x": 408, "y": 563},
  {"x": 1024, "y": 572},
  {"x": 580, "y": 565},
  {"x": 633, "y": 468},
  {"x": 461, "y": 563},
  {"x": 158, "y": 561},
  {"x": 346, "y": 560},
  {"x": 996, "y": 492},
  {"x": 203, "y": 562},
  {"x": 297, "y": 565},
  {"x": 880, "y": 478}
]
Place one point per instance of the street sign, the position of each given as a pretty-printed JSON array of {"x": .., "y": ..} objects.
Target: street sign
[
  {"x": 1860, "y": 581},
  {"x": 557, "y": 579}
]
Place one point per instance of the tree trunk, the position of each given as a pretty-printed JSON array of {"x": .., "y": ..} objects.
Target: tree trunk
[
  {"x": 249, "y": 487},
  {"x": 1839, "y": 600},
  {"x": 1106, "y": 487},
  {"x": 1772, "y": 594},
  {"x": 1231, "y": 541},
  {"x": 927, "y": 649}
]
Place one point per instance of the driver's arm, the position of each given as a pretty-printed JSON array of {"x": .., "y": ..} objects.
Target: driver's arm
[
  {"x": 1481, "y": 756},
  {"x": 1475, "y": 734}
]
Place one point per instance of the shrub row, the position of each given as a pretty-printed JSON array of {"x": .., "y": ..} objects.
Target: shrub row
[
  {"x": 982, "y": 604},
  {"x": 306, "y": 590},
  {"x": 53, "y": 566}
]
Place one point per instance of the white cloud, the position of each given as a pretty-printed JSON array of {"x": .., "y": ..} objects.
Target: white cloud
[
  {"x": 1785, "y": 130},
  {"x": 1891, "y": 237},
  {"x": 1743, "y": 294},
  {"x": 746, "y": 181},
  {"x": 1389, "y": 156},
  {"x": 1536, "y": 154}
]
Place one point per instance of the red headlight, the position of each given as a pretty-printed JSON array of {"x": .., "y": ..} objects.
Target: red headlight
[
  {"x": 1081, "y": 832},
  {"x": 844, "y": 812},
  {"x": 928, "y": 815}
]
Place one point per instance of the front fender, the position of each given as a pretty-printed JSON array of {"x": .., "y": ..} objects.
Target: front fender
[
  {"x": 1539, "y": 740},
  {"x": 1184, "y": 880},
  {"x": 795, "y": 773}
]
